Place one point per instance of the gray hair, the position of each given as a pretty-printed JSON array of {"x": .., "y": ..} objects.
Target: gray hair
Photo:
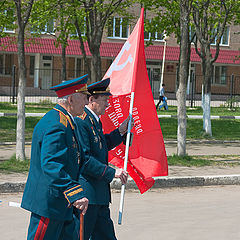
[{"x": 64, "y": 98}]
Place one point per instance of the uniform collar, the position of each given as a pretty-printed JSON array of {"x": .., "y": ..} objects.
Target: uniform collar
[
  {"x": 93, "y": 113},
  {"x": 63, "y": 110}
]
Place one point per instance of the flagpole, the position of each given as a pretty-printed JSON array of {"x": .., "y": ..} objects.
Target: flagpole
[{"x": 126, "y": 159}]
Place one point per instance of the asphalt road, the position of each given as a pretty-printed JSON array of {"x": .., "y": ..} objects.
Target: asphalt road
[{"x": 204, "y": 213}]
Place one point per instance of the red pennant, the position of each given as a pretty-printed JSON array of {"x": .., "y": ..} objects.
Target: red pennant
[{"x": 128, "y": 73}]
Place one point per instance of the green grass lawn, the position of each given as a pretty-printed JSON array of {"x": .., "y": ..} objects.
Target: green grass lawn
[
  {"x": 201, "y": 161},
  {"x": 12, "y": 165},
  {"x": 44, "y": 107},
  {"x": 223, "y": 129},
  {"x": 215, "y": 111},
  {"x": 29, "y": 107},
  {"x": 8, "y": 128}
]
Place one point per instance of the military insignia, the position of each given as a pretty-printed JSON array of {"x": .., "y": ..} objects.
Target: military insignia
[
  {"x": 95, "y": 139},
  {"x": 79, "y": 157},
  {"x": 74, "y": 144},
  {"x": 93, "y": 131},
  {"x": 63, "y": 119},
  {"x": 83, "y": 116},
  {"x": 91, "y": 119},
  {"x": 70, "y": 121}
]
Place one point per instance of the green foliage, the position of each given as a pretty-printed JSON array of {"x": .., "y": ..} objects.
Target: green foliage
[
  {"x": 7, "y": 17},
  {"x": 166, "y": 17}
]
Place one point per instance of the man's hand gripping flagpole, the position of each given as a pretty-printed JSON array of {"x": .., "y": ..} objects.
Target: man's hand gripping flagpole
[{"x": 126, "y": 158}]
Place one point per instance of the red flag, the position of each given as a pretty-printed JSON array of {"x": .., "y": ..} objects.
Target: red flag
[{"x": 128, "y": 73}]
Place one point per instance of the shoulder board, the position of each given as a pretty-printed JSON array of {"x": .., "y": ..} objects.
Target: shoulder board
[
  {"x": 83, "y": 116},
  {"x": 64, "y": 119}
]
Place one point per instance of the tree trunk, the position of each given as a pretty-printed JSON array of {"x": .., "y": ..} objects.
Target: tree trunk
[
  {"x": 183, "y": 76},
  {"x": 64, "y": 71},
  {"x": 20, "y": 135},
  {"x": 96, "y": 68},
  {"x": 206, "y": 101}
]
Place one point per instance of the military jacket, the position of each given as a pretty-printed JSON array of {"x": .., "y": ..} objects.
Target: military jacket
[
  {"x": 96, "y": 175},
  {"x": 52, "y": 184}
]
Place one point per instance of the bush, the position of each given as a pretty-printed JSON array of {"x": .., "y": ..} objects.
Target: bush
[{"x": 233, "y": 103}]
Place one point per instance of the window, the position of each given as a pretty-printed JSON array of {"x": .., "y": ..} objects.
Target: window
[
  {"x": 48, "y": 58},
  {"x": 71, "y": 68},
  {"x": 78, "y": 67},
  {"x": 74, "y": 67},
  {"x": 48, "y": 27},
  {"x": 8, "y": 30},
  {"x": 224, "y": 38},
  {"x": 32, "y": 65},
  {"x": 1, "y": 64},
  {"x": 6, "y": 62},
  {"x": 118, "y": 27},
  {"x": 220, "y": 75},
  {"x": 192, "y": 32},
  {"x": 156, "y": 36},
  {"x": 43, "y": 29},
  {"x": 73, "y": 30},
  {"x": 8, "y": 20}
]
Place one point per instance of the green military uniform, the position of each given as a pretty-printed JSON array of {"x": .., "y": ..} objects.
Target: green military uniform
[
  {"x": 96, "y": 175},
  {"x": 52, "y": 184}
]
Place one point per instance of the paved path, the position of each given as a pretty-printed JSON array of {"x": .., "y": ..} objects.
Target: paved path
[
  {"x": 206, "y": 213},
  {"x": 6, "y": 151},
  {"x": 193, "y": 148}
]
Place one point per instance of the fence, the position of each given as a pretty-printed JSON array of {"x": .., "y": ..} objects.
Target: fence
[
  {"x": 222, "y": 90},
  {"x": 40, "y": 80}
]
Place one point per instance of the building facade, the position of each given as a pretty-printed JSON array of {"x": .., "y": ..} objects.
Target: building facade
[{"x": 44, "y": 62}]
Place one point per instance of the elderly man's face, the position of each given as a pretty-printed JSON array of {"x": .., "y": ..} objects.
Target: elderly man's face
[
  {"x": 77, "y": 102},
  {"x": 98, "y": 105}
]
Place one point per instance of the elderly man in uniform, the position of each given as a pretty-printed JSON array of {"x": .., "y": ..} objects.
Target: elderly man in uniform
[
  {"x": 96, "y": 175},
  {"x": 52, "y": 189}
]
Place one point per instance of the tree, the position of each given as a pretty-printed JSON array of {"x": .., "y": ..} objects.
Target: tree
[
  {"x": 96, "y": 15},
  {"x": 59, "y": 13},
  {"x": 172, "y": 17},
  {"x": 210, "y": 18},
  {"x": 184, "y": 59},
  {"x": 23, "y": 11}
]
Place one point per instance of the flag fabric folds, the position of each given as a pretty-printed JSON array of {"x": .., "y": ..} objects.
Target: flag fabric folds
[{"x": 128, "y": 73}]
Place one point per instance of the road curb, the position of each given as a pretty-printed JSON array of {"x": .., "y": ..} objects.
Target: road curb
[
  {"x": 186, "y": 181},
  {"x": 12, "y": 187},
  {"x": 160, "y": 182}
]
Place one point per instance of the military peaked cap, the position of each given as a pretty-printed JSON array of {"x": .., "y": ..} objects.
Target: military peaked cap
[
  {"x": 100, "y": 87},
  {"x": 71, "y": 86}
]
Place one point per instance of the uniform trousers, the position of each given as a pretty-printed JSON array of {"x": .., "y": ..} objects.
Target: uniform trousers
[
  {"x": 97, "y": 223},
  {"x": 42, "y": 228}
]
